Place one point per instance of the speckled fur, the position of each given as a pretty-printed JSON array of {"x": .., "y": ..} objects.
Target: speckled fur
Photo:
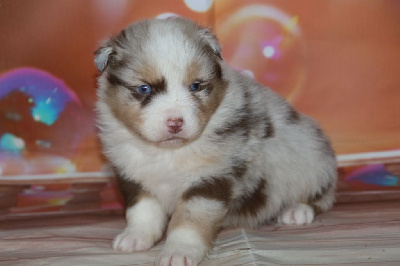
[{"x": 245, "y": 155}]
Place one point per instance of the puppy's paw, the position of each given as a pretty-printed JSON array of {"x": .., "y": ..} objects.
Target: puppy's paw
[
  {"x": 176, "y": 260},
  {"x": 131, "y": 241},
  {"x": 182, "y": 248},
  {"x": 298, "y": 215},
  {"x": 145, "y": 225},
  {"x": 180, "y": 255}
]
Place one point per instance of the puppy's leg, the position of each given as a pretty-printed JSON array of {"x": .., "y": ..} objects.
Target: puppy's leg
[
  {"x": 145, "y": 219},
  {"x": 191, "y": 231},
  {"x": 303, "y": 213},
  {"x": 195, "y": 224}
]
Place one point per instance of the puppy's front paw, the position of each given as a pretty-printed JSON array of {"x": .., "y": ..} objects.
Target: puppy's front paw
[
  {"x": 180, "y": 255},
  {"x": 131, "y": 241},
  {"x": 182, "y": 248},
  {"x": 145, "y": 225},
  {"x": 298, "y": 215}
]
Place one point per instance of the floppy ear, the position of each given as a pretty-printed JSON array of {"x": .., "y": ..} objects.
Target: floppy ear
[
  {"x": 212, "y": 41},
  {"x": 102, "y": 57}
]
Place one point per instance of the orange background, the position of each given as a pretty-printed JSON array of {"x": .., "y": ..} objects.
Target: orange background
[
  {"x": 344, "y": 64},
  {"x": 336, "y": 60}
]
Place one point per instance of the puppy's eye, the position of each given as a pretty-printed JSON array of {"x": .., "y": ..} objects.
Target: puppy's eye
[
  {"x": 144, "y": 89},
  {"x": 195, "y": 86}
]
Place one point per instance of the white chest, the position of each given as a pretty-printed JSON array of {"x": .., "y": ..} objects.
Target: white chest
[{"x": 167, "y": 174}]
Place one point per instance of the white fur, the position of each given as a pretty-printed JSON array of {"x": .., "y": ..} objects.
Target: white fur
[
  {"x": 145, "y": 225},
  {"x": 298, "y": 215},
  {"x": 292, "y": 162},
  {"x": 207, "y": 209},
  {"x": 184, "y": 247},
  {"x": 175, "y": 104}
]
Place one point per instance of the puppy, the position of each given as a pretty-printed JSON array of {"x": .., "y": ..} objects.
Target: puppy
[{"x": 198, "y": 146}]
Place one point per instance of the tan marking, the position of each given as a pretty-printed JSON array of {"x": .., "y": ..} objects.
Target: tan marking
[
  {"x": 207, "y": 224},
  {"x": 196, "y": 161},
  {"x": 208, "y": 108},
  {"x": 192, "y": 73},
  {"x": 148, "y": 72},
  {"x": 125, "y": 110}
]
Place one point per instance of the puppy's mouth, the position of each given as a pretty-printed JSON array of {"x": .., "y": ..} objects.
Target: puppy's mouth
[
  {"x": 172, "y": 142},
  {"x": 174, "y": 139}
]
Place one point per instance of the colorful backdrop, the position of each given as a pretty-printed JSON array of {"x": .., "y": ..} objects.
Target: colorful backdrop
[{"x": 335, "y": 60}]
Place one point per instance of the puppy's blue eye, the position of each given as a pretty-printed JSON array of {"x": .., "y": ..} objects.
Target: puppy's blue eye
[
  {"x": 144, "y": 89},
  {"x": 195, "y": 86}
]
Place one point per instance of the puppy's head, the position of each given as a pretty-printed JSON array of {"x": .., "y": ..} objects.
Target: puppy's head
[{"x": 162, "y": 79}]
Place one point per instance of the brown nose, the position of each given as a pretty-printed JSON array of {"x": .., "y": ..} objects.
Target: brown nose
[{"x": 174, "y": 125}]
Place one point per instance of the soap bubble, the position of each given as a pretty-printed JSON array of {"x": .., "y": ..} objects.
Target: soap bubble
[
  {"x": 199, "y": 5},
  {"x": 40, "y": 118},
  {"x": 266, "y": 41},
  {"x": 167, "y": 15}
]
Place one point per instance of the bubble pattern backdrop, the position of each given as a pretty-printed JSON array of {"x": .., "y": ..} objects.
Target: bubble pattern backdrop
[
  {"x": 336, "y": 61},
  {"x": 49, "y": 113}
]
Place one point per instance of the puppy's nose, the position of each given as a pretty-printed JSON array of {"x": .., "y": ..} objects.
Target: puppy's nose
[{"x": 174, "y": 125}]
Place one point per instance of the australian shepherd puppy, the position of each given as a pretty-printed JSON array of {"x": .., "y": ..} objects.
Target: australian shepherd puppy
[{"x": 198, "y": 146}]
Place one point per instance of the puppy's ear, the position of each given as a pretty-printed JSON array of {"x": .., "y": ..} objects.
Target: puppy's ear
[
  {"x": 212, "y": 41},
  {"x": 102, "y": 56}
]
